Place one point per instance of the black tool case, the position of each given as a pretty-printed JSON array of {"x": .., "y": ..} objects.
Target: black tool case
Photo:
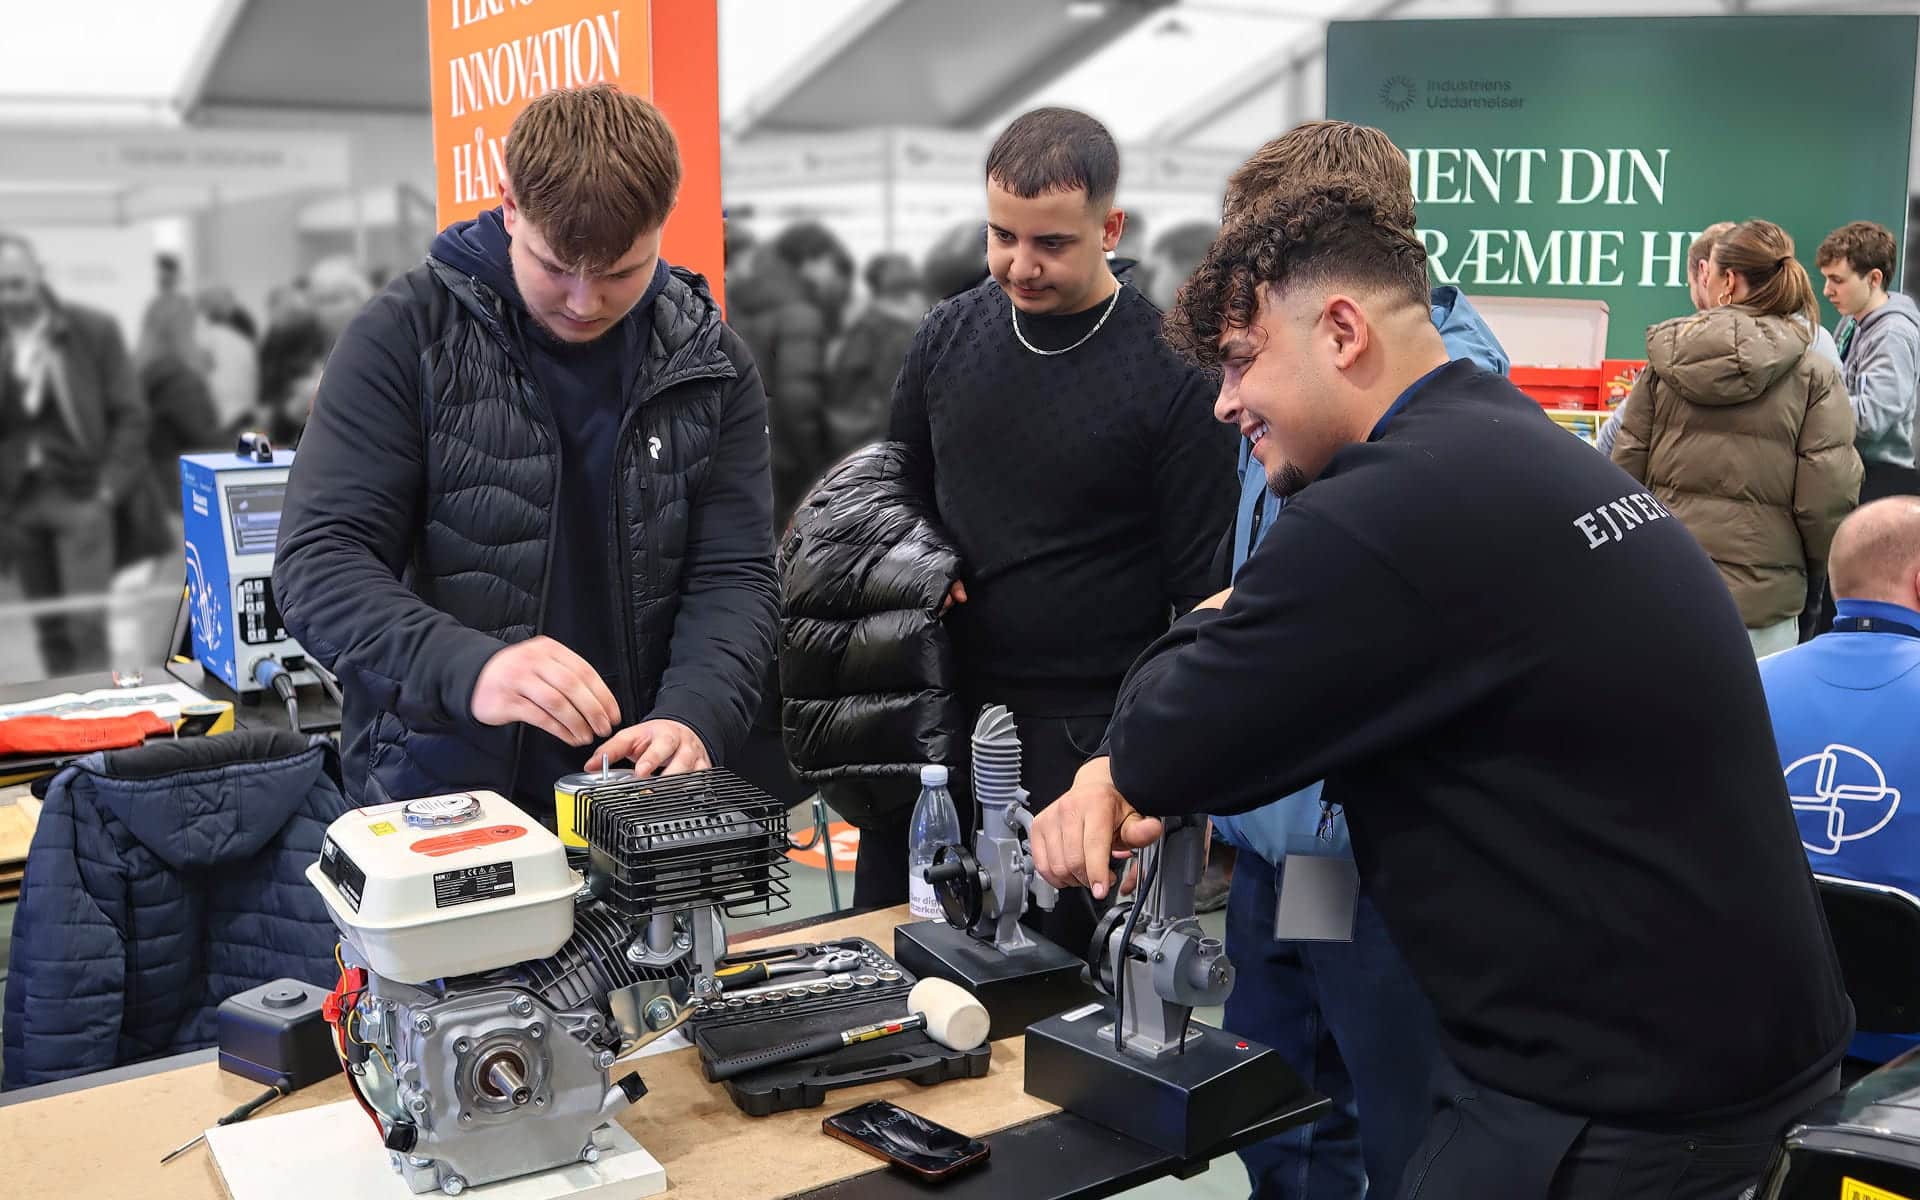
[{"x": 791, "y": 1008}]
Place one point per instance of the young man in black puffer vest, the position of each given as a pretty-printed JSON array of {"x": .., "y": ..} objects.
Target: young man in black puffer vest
[{"x": 529, "y": 526}]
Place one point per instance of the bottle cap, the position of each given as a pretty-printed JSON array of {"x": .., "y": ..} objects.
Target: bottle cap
[{"x": 933, "y": 775}]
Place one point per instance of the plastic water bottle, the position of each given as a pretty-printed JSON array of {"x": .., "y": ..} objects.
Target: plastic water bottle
[{"x": 936, "y": 823}]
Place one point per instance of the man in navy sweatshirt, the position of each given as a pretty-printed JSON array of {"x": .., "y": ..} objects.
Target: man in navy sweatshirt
[
  {"x": 530, "y": 524},
  {"x": 1580, "y": 917},
  {"x": 1347, "y": 1015}
]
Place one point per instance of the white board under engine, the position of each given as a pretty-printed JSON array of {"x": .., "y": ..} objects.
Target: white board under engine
[{"x": 329, "y": 1152}]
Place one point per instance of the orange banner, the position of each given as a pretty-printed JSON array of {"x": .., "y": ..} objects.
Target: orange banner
[{"x": 490, "y": 57}]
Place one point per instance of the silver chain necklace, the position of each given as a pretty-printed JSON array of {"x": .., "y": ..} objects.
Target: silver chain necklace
[{"x": 1013, "y": 312}]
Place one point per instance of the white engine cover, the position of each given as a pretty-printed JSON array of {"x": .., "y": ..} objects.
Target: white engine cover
[{"x": 446, "y": 885}]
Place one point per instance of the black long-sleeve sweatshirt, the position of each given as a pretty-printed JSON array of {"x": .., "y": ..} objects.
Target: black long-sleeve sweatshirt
[
  {"x": 1531, "y": 692},
  {"x": 1087, "y": 490}
]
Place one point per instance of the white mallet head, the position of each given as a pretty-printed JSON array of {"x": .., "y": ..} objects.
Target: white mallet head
[{"x": 954, "y": 1018}]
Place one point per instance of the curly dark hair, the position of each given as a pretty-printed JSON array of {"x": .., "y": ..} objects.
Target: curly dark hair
[
  {"x": 1319, "y": 148},
  {"x": 1333, "y": 228}
]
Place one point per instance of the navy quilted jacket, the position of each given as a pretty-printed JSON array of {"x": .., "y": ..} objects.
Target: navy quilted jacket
[
  {"x": 160, "y": 882},
  {"x": 416, "y": 539}
]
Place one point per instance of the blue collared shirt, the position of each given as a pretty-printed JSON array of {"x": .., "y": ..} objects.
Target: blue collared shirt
[
  {"x": 1295, "y": 820},
  {"x": 1844, "y": 717}
]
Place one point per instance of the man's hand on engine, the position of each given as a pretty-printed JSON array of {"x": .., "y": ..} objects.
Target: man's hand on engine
[
  {"x": 1074, "y": 839},
  {"x": 657, "y": 747}
]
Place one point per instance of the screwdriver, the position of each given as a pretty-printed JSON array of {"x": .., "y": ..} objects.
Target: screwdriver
[{"x": 239, "y": 1114}]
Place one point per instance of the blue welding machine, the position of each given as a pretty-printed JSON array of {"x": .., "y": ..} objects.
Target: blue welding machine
[{"x": 232, "y": 506}]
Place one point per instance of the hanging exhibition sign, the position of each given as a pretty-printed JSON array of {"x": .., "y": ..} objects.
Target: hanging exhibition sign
[
  {"x": 1579, "y": 158},
  {"x": 489, "y": 58}
]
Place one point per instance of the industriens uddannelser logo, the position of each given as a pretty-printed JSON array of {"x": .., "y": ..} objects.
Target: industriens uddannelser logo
[{"x": 1401, "y": 92}]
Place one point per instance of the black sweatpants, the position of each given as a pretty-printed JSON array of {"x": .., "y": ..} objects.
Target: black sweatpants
[
  {"x": 1484, "y": 1144},
  {"x": 880, "y": 869}
]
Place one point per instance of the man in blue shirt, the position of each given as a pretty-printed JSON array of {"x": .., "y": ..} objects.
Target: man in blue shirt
[
  {"x": 1347, "y": 1015},
  {"x": 1846, "y": 709}
]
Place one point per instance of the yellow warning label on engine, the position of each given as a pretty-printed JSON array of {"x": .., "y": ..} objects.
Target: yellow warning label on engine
[
  {"x": 381, "y": 828},
  {"x": 1853, "y": 1189}
]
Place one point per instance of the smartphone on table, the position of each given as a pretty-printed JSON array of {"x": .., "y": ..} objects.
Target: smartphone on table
[{"x": 907, "y": 1140}]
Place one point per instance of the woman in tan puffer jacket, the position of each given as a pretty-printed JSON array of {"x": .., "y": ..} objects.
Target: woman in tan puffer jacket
[{"x": 1744, "y": 435}]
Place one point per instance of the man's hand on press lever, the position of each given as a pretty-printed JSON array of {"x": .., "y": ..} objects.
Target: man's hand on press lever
[
  {"x": 1075, "y": 838},
  {"x": 1132, "y": 877},
  {"x": 657, "y": 747},
  {"x": 544, "y": 684}
]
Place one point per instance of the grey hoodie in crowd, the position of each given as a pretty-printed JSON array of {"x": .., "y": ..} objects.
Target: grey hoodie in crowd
[{"x": 1881, "y": 367}]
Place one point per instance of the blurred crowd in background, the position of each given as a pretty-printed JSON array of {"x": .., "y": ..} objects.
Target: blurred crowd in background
[
  {"x": 92, "y": 554},
  {"x": 829, "y": 335},
  {"x": 93, "y": 419}
]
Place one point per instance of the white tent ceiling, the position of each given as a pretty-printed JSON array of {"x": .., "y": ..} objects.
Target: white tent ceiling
[
  {"x": 1159, "y": 70},
  {"x": 105, "y": 61},
  {"x": 922, "y": 64}
]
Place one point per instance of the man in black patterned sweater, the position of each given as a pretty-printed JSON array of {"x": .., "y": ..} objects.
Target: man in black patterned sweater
[{"x": 1071, "y": 454}]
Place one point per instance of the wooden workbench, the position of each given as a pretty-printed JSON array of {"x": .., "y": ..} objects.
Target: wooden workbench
[
  {"x": 108, "y": 1140},
  {"x": 19, "y": 815}
]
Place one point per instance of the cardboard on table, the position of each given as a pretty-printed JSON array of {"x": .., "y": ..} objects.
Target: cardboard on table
[{"x": 108, "y": 1140}]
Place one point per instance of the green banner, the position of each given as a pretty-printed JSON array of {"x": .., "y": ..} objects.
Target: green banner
[{"x": 1578, "y": 158}]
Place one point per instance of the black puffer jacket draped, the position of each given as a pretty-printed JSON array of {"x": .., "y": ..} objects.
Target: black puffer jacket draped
[{"x": 866, "y": 666}]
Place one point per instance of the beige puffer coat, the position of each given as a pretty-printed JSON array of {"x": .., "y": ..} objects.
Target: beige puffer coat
[{"x": 1748, "y": 439}]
